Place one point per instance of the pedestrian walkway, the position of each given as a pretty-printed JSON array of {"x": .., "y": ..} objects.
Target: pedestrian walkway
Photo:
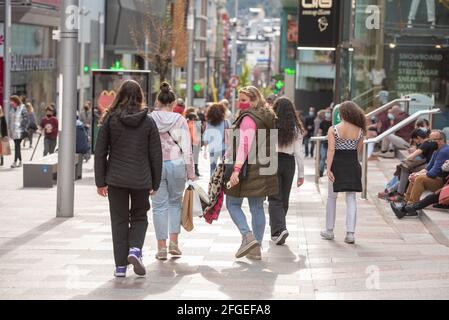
[{"x": 42, "y": 257}]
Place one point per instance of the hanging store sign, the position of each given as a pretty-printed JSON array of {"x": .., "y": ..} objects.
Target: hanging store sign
[
  {"x": 318, "y": 24},
  {"x": 31, "y": 63}
]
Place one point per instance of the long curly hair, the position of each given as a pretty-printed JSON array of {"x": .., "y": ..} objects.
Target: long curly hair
[
  {"x": 130, "y": 99},
  {"x": 289, "y": 125},
  {"x": 352, "y": 113},
  {"x": 215, "y": 114}
]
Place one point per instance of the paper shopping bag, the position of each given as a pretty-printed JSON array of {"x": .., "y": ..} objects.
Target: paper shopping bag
[{"x": 187, "y": 210}]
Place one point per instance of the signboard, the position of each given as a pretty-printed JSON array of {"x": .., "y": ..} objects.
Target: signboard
[
  {"x": 418, "y": 71},
  {"x": 234, "y": 82},
  {"x": 106, "y": 84},
  {"x": 318, "y": 24}
]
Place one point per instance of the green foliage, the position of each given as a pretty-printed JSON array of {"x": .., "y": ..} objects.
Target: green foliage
[{"x": 244, "y": 77}]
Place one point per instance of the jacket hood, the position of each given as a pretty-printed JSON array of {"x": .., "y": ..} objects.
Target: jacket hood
[
  {"x": 165, "y": 121},
  {"x": 134, "y": 119}
]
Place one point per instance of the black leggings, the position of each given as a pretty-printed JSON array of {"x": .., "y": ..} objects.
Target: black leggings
[{"x": 17, "y": 150}]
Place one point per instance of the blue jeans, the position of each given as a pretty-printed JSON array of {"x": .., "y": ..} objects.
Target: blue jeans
[
  {"x": 167, "y": 203},
  {"x": 234, "y": 206},
  {"x": 323, "y": 156}
]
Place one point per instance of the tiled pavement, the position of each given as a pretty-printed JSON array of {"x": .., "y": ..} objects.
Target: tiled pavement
[{"x": 42, "y": 257}]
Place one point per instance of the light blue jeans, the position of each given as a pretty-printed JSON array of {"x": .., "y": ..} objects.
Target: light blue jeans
[
  {"x": 234, "y": 206},
  {"x": 167, "y": 203}
]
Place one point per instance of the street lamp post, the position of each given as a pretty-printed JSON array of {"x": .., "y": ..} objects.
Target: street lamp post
[
  {"x": 191, "y": 62},
  {"x": 234, "y": 54},
  {"x": 7, "y": 60},
  {"x": 69, "y": 72}
]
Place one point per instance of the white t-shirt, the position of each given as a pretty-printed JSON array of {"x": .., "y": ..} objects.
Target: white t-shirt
[{"x": 377, "y": 76}]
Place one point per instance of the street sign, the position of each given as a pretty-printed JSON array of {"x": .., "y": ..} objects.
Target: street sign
[{"x": 234, "y": 82}]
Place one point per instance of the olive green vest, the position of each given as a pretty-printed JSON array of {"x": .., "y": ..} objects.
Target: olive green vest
[{"x": 256, "y": 185}]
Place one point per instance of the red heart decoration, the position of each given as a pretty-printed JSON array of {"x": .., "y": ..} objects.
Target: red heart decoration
[{"x": 105, "y": 100}]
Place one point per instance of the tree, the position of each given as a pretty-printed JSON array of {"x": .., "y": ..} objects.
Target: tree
[
  {"x": 244, "y": 77},
  {"x": 157, "y": 31}
]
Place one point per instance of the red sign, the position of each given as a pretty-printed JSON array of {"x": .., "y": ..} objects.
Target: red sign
[
  {"x": 105, "y": 100},
  {"x": 51, "y": 3}
]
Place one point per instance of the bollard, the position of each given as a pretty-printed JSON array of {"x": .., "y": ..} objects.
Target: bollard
[
  {"x": 365, "y": 172},
  {"x": 317, "y": 161}
]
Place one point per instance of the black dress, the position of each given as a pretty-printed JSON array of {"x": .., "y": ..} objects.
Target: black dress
[{"x": 346, "y": 166}]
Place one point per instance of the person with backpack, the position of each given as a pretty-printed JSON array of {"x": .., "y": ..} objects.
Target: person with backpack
[
  {"x": 32, "y": 125},
  {"x": 128, "y": 168},
  {"x": 50, "y": 126},
  {"x": 178, "y": 166}
]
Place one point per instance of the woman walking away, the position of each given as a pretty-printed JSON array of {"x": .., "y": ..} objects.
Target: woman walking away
[
  {"x": 3, "y": 131},
  {"x": 194, "y": 124},
  {"x": 32, "y": 124},
  {"x": 177, "y": 167},
  {"x": 344, "y": 170},
  {"x": 214, "y": 136},
  {"x": 18, "y": 122},
  {"x": 257, "y": 181},
  {"x": 128, "y": 166},
  {"x": 290, "y": 151}
]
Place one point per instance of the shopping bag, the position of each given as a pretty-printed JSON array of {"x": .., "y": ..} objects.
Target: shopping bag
[
  {"x": 197, "y": 208},
  {"x": 5, "y": 147},
  {"x": 444, "y": 196},
  {"x": 201, "y": 192},
  {"x": 187, "y": 210}
]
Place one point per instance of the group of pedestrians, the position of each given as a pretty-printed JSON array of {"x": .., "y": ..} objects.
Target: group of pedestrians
[{"x": 142, "y": 156}]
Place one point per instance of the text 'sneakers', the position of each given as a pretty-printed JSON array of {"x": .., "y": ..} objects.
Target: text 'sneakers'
[
  {"x": 120, "y": 272},
  {"x": 135, "y": 258},
  {"x": 248, "y": 243}
]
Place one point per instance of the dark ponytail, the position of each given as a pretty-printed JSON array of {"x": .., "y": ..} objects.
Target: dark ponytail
[{"x": 166, "y": 95}]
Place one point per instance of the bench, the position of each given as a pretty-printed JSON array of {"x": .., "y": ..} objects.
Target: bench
[{"x": 42, "y": 173}]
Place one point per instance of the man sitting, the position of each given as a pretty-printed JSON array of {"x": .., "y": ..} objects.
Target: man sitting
[
  {"x": 432, "y": 178},
  {"x": 399, "y": 140}
]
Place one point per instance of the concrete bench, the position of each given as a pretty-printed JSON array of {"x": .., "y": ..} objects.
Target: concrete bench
[{"x": 43, "y": 173}]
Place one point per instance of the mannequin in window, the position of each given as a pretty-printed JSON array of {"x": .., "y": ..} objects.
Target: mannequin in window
[
  {"x": 377, "y": 76},
  {"x": 430, "y": 12},
  {"x": 361, "y": 74}
]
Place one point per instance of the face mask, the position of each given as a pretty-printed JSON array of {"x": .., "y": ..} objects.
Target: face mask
[
  {"x": 425, "y": 130},
  {"x": 328, "y": 115},
  {"x": 49, "y": 115},
  {"x": 244, "y": 106},
  {"x": 311, "y": 114},
  {"x": 391, "y": 116}
]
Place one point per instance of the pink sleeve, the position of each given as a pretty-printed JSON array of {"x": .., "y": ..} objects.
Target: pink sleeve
[{"x": 248, "y": 130}]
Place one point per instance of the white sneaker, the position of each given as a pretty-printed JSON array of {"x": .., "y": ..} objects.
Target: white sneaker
[
  {"x": 410, "y": 24},
  {"x": 350, "y": 239},
  {"x": 328, "y": 235},
  {"x": 433, "y": 25},
  {"x": 280, "y": 240}
]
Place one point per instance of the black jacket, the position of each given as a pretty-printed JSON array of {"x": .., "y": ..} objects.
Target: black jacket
[
  {"x": 3, "y": 127},
  {"x": 128, "y": 152}
]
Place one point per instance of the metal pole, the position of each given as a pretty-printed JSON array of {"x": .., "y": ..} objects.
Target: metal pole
[
  {"x": 82, "y": 57},
  {"x": 317, "y": 161},
  {"x": 365, "y": 172},
  {"x": 234, "y": 55},
  {"x": 7, "y": 60},
  {"x": 102, "y": 32},
  {"x": 270, "y": 61},
  {"x": 208, "y": 77},
  {"x": 69, "y": 70},
  {"x": 173, "y": 68},
  {"x": 191, "y": 64},
  {"x": 147, "y": 51}
]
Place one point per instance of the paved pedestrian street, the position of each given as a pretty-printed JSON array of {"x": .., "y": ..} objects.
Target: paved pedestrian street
[{"x": 42, "y": 257}]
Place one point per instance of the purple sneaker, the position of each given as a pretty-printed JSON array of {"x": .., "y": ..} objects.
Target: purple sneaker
[
  {"x": 135, "y": 258},
  {"x": 120, "y": 272}
]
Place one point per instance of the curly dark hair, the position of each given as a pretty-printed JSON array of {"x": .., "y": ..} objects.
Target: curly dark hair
[
  {"x": 352, "y": 113},
  {"x": 289, "y": 125},
  {"x": 215, "y": 114}
]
